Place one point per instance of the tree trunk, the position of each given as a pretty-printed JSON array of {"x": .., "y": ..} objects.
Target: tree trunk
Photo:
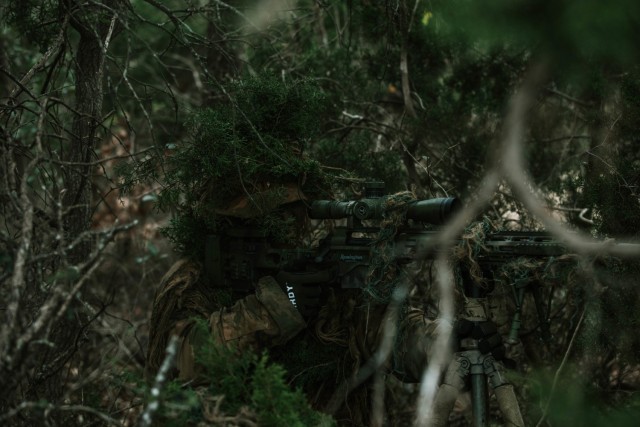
[
  {"x": 77, "y": 198},
  {"x": 67, "y": 334}
]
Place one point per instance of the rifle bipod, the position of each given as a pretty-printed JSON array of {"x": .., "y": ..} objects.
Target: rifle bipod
[
  {"x": 474, "y": 364},
  {"x": 471, "y": 366}
]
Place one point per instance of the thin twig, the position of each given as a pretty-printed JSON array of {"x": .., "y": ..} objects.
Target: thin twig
[
  {"x": 48, "y": 407},
  {"x": 378, "y": 359},
  {"x": 18, "y": 276},
  {"x": 556, "y": 377},
  {"x": 146, "y": 419},
  {"x": 511, "y": 160},
  {"x": 54, "y": 48}
]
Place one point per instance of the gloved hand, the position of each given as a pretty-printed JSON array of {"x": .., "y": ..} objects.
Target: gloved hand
[
  {"x": 306, "y": 291},
  {"x": 489, "y": 340}
]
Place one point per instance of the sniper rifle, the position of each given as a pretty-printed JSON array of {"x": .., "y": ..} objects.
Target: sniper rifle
[{"x": 239, "y": 257}]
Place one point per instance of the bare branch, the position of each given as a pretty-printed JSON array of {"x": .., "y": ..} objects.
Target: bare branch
[
  {"x": 512, "y": 165},
  {"x": 146, "y": 420},
  {"x": 441, "y": 354},
  {"x": 48, "y": 407},
  {"x": 53, "y": 49},
  {"x": 556, "y": 376},
  {"x": 18, "y": 277},
  {"x": 379, "y": 358}
]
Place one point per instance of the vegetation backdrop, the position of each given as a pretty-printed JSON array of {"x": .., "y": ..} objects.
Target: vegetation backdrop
[{"x": 527, "y": 110}]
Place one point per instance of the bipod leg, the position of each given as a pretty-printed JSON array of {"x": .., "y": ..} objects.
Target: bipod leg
[
  {"x": 448, "y": 391},
  {"x": 508, "y": 403},
  {"x": 505, "y": 395},
  {"x": 473, "y": 362},
  {"x": 479, "y": 368},
  {"x": 479, "y": 396}
]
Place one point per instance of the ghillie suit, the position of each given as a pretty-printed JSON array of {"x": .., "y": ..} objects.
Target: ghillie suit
[
  {"x": 244, "y": 167},
  {"x": 257, "y": 321},
  {"x": 319, "y": 358}
]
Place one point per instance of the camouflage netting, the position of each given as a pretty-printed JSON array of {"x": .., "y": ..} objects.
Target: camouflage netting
[
  {"x": 515, "y": 272},
  {"x": 384, "y": 273},
  {"x": 527, "y": 298},
  {"x": 182, "y": 295},
  {"x": 465, "y": 254}
]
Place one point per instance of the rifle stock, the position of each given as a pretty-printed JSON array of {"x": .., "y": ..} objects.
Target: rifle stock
[{"x": 241, "y": 256}]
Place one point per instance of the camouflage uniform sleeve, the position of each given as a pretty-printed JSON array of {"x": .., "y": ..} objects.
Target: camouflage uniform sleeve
[
  {"x": 262, "y": 320},
  {"x": 177, "y": 298}
]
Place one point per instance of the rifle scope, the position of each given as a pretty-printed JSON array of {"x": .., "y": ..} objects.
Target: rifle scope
[{"x": 432, "y": 211}]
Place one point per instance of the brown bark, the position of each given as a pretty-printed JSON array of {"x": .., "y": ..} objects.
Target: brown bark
[
  {"x": 68, "y": 333},
  {"x": 89, "y": 102},
  {"x": 89, "y": 65},
  {"x": 5, "y": 82}
]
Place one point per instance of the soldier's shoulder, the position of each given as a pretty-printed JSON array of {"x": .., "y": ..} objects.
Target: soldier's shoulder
[{"x": 183, "y": 270}]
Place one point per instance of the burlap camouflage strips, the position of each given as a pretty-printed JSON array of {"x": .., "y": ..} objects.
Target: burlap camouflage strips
[
  {"x": 258, "y": 321},
  {"x": 267, "y": 319}
]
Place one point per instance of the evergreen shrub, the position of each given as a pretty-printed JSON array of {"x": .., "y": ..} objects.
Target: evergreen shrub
[{"x": 237, "y": 384}]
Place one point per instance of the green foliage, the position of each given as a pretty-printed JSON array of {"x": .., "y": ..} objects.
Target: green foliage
[
  {"x": 180, "y": 406},
  {"x": 459, "y": 91},
  {"x": 346, "y": 154},
  {"x": 569, "y": 32},
  {"x": 611, "y": 320},
  {"x": 33, "y": 19},
  {"x": 630, "y": 104},
  {"x": 285, "y": 112},
  {"x": 574, "y": 404},
  {"x": 614, "y": 196},
  {"x": 233, "y": 383},
  {"x": 309, "y": 362},
  {"x": 276, "y": 404},
  {"x": 620, "y": 321},
  {"x": 185, "y": 230},
  {"x": 244, "y": 148},
  {"x": 613, "y": 181},
  {"x": 248, "y": 380}
]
